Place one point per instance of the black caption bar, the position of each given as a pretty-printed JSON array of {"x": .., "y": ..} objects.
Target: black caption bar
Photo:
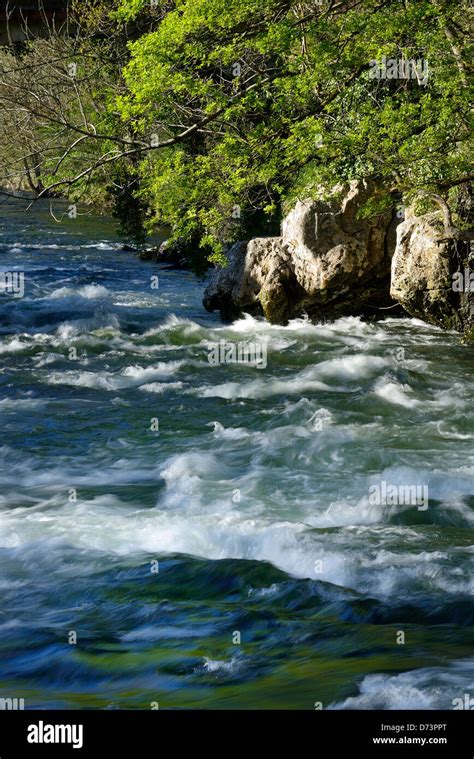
[{"x": 220, "y": 733}]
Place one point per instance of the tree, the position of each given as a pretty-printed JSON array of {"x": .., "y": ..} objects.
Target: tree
[
  {"x": 228, "y": 110},
  {"x": 57, "y": 118}
]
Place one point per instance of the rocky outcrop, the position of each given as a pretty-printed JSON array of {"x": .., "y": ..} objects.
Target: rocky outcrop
[
  {"x": 256, "y": 279},
  {"x": 179, "y": 254},
  {"x": 431, "y": 273},
  {"x": 173, "y": 254},
  {"x": 327, "y": 263}
]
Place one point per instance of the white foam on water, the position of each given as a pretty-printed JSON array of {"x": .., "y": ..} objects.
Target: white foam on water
[
  {"x": 195, "y": 517},
  {"x": 130, "y": 376},
  {"x": 457, "y": 396},
  {"x": 451, "y": 434},
  {"x": 161, "y": 387},
  {"x": 314, "y": 378},
  {"x": 347, "y": 325},
  {"x": 98, "y": 323},
  {"x": 441, "y": 485},
  {"x": 232, "y": 433},
  {"x": 103, "y": 245},
  {"x": 264, "y": 388},
  {"x": 426, "y": 688},
  {"x": 395, "y": 393},
  {"x": 303, "y": 489},
  {"x": 89, "y": 292},
  {"x": 352, "y": 367},
  {"x": 172, "y": 323},
  {"x": 222, "y": 667},
  {"x": 14, "y": 345}
]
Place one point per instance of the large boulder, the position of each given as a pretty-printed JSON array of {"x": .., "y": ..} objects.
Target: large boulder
[
  {"x": 333, "y": 251},
  {"x": 236, "y": 287},
  {"x": 430, "y": 273},
  {"x": 327, "y": 263}
]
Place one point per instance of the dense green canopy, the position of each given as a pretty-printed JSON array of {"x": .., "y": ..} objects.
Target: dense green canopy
[{"x": 225, "y": 111}]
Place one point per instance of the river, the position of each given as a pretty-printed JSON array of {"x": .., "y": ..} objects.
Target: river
[{"x": 187, "y": 534}]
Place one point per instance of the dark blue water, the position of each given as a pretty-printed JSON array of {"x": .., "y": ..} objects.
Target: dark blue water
[{"x": 199, "y": 535}]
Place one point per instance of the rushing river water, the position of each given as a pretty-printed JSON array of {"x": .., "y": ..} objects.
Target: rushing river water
[{"x": 249, "y": 514}]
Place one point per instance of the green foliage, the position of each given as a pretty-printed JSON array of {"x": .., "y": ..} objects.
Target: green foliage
[
  {"x": 129, "y": 208},
  {"x": 300, "y": 112},
  {"x": 236, "y": 108}
]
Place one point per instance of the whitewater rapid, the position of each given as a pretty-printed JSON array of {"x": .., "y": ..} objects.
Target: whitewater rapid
[{"x": 271, "y": 466}]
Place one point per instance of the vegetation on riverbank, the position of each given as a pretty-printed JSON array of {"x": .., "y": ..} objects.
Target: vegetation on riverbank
[{"x": 214, "y": 116}]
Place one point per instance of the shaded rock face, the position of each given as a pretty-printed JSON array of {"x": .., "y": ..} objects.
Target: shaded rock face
[
  {"x": 173, "y": 254},
  {"x": 327, "y": 263},
  {"x": 231, "y": 285},
  {"x": 431, "y": 274},
  {"x": 178, "y": 254}
]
